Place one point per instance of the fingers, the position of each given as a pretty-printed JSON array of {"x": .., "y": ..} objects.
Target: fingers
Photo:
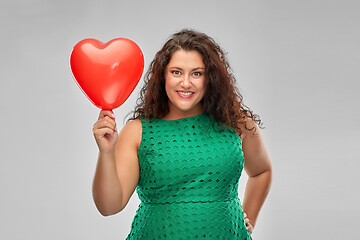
[
  {"x": 104, "y": 113},
  {"x": 106, "y": 123},
  {"x": 99, "y": 133},
  {"x": 249, "y": 226}
]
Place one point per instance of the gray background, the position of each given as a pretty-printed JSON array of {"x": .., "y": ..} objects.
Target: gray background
[{"x": 297, "y": 65}]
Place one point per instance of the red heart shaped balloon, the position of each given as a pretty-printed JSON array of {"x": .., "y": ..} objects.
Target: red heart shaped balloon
[{"x": 107, "y": 73}]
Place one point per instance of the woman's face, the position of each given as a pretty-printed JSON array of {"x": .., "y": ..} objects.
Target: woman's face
[{"x": 184, "y": 83}]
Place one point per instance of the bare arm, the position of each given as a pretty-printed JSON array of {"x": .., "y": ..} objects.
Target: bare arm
[
  {"x": 117, "y": 171},
  {"x": 106, "y": 185},
  {"x": 258, "y": 168}
]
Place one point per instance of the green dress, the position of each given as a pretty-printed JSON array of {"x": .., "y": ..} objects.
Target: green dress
[{"x": 188, "y": 185}]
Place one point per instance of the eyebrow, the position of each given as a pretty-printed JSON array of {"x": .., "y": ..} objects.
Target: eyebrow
[{"x": 194, "y": 69}]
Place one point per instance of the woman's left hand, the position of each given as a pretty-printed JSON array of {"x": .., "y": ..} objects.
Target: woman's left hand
[{"x": 248, "y": 225}]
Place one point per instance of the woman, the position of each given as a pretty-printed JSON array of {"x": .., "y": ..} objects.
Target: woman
[{"x": 184, "y": 150}]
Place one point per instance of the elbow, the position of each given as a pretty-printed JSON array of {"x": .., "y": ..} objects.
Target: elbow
[
  {"x": 268, "y": 178},
  {"x": 105, "y": 213},
  {"x": 106, "y": 206},
  {"x": 264, "y": 177},
  {"x": 265, "y": 172},
  {"x": 268, "y": 175},
  {"x": 270, "y": 172},
  {"x": 109, "y": 212}
]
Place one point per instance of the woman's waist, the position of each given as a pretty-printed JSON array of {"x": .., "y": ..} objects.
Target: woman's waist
[{"x": 220, "y": 210}]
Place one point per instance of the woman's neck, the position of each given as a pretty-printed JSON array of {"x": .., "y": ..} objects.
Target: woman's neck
[{"x": 175, "y": 114}]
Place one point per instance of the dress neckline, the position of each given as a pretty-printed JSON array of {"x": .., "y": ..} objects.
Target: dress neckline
[{"x": 185, "y": 118}]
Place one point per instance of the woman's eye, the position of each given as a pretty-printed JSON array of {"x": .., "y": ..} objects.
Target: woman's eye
[
  {"x": 197, "y": 74},
  {"x": 175, "y": 72}
]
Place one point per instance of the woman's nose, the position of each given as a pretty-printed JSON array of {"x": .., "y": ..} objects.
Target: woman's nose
[{"x": 185, "y": 83}]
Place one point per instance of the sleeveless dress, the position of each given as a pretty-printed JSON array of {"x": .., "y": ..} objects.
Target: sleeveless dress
[{"x": 188, "y": 184}]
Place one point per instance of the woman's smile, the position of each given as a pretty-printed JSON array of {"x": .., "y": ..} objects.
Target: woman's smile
[{"x": 185, "y": 94}]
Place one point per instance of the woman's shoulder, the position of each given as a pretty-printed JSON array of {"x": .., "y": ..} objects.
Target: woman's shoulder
[
  {"x": 248, "y": 128},
  {"x": 133, "y": 124},
  {"x": 133, "y": 131}
]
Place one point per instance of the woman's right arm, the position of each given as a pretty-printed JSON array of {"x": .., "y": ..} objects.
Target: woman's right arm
[{"x": 117, "y": 171}]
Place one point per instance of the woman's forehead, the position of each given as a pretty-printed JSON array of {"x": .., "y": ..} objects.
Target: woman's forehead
[{"x": 186, "y": 59}]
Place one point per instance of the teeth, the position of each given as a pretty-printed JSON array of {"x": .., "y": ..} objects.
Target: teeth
[{"x": 185, "y": 93}]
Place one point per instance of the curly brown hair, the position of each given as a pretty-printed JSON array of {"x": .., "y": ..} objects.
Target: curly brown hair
[{"x": 222, "y": 100}]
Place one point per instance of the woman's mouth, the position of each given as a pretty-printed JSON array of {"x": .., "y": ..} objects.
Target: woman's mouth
[{"x": 185, "y": 94}]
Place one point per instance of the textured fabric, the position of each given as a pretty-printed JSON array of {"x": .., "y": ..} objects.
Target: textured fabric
[{"x": 188, "y": 185}]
